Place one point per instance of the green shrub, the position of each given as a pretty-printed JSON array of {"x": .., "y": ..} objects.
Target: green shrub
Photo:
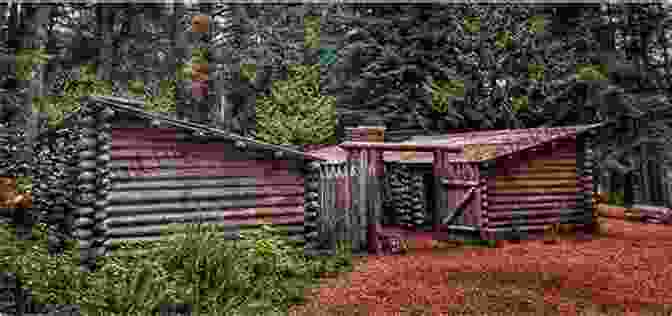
[
  {"x": 479, "y": 243},
  {"x": 616, "y": 198},
  {"x": 57, "y": 106},
  {"x": 262, "y": 273},
  {"x": 52, "y": 279}
]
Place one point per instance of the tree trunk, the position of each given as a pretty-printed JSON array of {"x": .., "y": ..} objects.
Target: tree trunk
[
  {"x": 33, "y": 20},
  {"x": 204, "y": 104},
  {"x": 106, "y": 21},
  {"x": 196, "y": 107},
  {"x": 179, "y": 44},
  {"x": 224, "y": 107}
]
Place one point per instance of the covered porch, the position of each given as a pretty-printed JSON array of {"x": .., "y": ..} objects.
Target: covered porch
[{"x": 363, "y": 196}]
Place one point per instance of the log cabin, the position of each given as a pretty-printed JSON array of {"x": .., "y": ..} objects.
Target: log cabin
[
  {"x": 483, "y": 185},
  {"x": 138, "y": 171}
]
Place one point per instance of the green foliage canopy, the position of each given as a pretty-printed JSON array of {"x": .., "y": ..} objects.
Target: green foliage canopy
[
  {"x": 57, "y": 106},
  {"x": 295, "y": 112}
]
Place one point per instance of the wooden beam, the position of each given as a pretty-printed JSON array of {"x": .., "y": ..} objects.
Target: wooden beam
[
  {"x": 458, "y": 183},
  {"x": 459, "y": 208},
  {"x": 402, "y": 147}
]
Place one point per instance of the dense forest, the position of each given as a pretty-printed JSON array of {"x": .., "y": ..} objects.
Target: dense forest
[{"x": 298, "y": 73}]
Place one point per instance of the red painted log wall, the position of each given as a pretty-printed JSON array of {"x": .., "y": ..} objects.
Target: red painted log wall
[{"x": 162, "y": 176}]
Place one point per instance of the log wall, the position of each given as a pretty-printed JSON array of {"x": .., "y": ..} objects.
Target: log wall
[
  {"x": 332, "y": 220},
  {"x": 535, "y": 188},
  {"x": 162, "y": 176}
]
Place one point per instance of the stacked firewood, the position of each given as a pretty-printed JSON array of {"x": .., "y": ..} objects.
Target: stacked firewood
[
  {"x": 400, "y": 195},
  {"x": 418, "y": 200}
]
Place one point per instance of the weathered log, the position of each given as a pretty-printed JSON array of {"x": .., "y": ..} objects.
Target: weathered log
[
  {"x": 165, "y": 195},
  {"x": 534, "y": 190},
  {"x": 87, "y": 165},
  {"x": 458, "y": 183},
  {"x": 534, "y": 222},
  {"x": 207, "y": 182},
  {"x": 252, "y": 202},
  {"x": 540, "y": 163},
  {"x": 231, "y": 215},
  {"x": 87, "y": 154},
  {"x": 86, "y": 187},
  {"x": 84, "y": 211},
  {"x": 82, "y": 222},
  {"x": 156, "y": 230},
  {"x": 538, "y": 176},
  {"x": 518, "y": 170},
  {"x": 509, "y": 214},
  {"x": 505, "y": 184},
  {"x": 85, "y": 199},
  {"x": 86, "y": 176},
  {"x": 499, "y": 207}
]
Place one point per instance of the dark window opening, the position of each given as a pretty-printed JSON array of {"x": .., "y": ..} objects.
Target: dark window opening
[{"x": 430, "y": 195}]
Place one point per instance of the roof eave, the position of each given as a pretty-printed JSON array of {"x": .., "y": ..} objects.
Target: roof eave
[{"x": 136, "y": 108}]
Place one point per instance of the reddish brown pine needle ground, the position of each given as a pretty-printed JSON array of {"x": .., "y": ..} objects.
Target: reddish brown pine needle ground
[{"x": 627, "y": 270}]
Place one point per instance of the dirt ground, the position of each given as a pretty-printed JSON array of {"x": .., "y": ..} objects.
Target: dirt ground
[{"x": 627, "y": 270}]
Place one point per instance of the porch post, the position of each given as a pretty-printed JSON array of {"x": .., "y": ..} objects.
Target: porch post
[
  {"x": 354, "y": 175},
  {"x": 441, "y": 197},
  {"x": 374, "y": 198}
]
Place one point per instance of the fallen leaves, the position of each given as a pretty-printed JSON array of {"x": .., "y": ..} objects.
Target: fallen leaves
[
  {"x": 10, "y": 198},
  {"x": 625, "y": 270}
]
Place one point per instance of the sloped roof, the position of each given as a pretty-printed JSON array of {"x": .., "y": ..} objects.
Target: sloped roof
[
  {"x": 500, "y": 142},
  {"x": 135, "y": 108}
]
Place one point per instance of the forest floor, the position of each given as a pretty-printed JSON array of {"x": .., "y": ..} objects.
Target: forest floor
[{"x": 626, "y": 270}]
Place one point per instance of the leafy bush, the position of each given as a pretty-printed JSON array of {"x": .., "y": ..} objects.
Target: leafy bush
[
  {"x": 259, "y": 274},
  {"x": 616, "y": 198},
  {"x": 52, "y": 279}
]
